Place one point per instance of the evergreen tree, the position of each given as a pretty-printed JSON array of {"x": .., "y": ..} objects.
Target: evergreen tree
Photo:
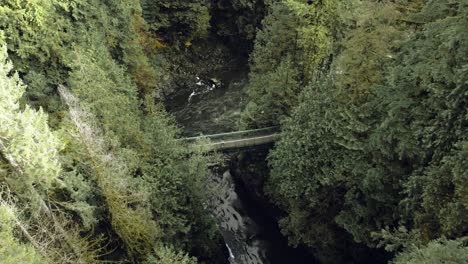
[
  {"x": 167, "y": 255},
  {"x": 438, "y": 251},
  {"x": 26, "y": 141},
  {"x": 296, "y": 38},
  {"x": 29, "y": 157},
  {"x": 178, "y": 178},
  {"x": 424, "y": 123},
  {"x": 314, "y": 177},
  {"x": 371, "y": 95},
  {"x": 394, "y": 157},
  {"x": 374, "y": 36},
  {"x": 99, "y": 49},
  {"x": 12, "y": 251}
]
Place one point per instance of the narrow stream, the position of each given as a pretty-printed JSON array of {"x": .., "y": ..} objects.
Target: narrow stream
[{"x": 237, "y": 228}]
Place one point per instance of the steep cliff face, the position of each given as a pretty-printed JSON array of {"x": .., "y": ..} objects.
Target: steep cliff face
[
  {"x": 237, "y": 22},
  {"x": 251, "y": 170}
]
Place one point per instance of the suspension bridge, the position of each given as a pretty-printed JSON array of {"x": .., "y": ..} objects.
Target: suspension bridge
[{"x": 237, "y": 139}]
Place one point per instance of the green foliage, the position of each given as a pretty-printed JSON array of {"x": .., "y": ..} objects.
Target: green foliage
[
  {"x": 177, "y": 185},
  {"x": 80, "y": 192},
  {"x": 39, "y": 36},
  {"x": 438, "y": 251},
  {"x": 136, "y": 43},
  {"x": 385, "y": 153},
  {"x": 34, "y": 36},
  {"x": 99, "y": 49},
  {"x": 167, "y": 255},
  {"x": 114, "y": 167},
  {"x": 375, "y": 37},
  {"x": 131, "y": 218},
  {"x": 107, "y": 92},
  {"x": 374, "y": 153},
  {"x": 426, "y": 125},
  {"x": 12, "y": 251},
  {"x": 142, "y": 183},
  {"x": 172, "y": 186},
  {"x": 314, "y": 176},
  {"x": 275, "y": 92},
  {"x": 295, "y": 39},
  {"x": 77, "y": 192},
  {"x": 30, "y": 152},
  {"x": 27, "y": 142}
]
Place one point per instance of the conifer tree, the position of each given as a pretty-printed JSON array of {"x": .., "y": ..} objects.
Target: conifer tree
[
  {"x": 295, "y": 39},
  {"x": 393, "y": 159},
  {"x": 26, "y": 142},
  {"x": 12, "y": 251},
  {"x": 29, "y": 151},
  {"x": 424, "y": 122},
  {"x": 438, "y": 251},
  {"x": 167, "y": 255}
]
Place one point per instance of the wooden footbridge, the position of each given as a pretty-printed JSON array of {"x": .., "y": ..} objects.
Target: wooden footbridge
[{"x": 237, "y": 139}]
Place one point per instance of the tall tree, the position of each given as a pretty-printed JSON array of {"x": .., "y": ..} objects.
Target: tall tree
[
  {"x": 424, "y": 122},
  {"x": 29, "y": 157},
  {"x": 296, "y": 38},
  {"x": 26, "y": 142},
  {"x": 13, "y": 251}
]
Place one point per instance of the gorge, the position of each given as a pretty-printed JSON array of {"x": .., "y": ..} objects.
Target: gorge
[{"x": 344, "y": 131}]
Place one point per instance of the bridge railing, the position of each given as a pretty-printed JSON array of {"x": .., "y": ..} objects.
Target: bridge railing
[
  {"x": 242, "y": 143},
  {"x": 235, "y": 134}
]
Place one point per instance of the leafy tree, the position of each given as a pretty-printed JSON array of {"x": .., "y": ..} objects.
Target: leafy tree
[
  {"x": 99, "y": 49},
  {"x": 157, "y": 174},
  {"x": 35, "y": 32},
  {"x": 275, "y": 92},
  {"x": 107, "y": 92},
  {"x": 113, "y": 170},
  {"x": 136, "y": 43},
  {"x": 178, "y": 185}
]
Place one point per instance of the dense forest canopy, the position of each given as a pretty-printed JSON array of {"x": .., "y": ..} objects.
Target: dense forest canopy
[
  {"x": 371, "y": 97},
  {"x": 375, "y": 151}
]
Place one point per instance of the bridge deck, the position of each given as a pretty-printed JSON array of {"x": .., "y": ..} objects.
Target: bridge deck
[
  {"x": 238, "y": 139},
  {"x": 241, "y": 143}
]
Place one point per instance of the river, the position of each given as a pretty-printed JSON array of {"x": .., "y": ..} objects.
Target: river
[{"x": 212, "y": 104}]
